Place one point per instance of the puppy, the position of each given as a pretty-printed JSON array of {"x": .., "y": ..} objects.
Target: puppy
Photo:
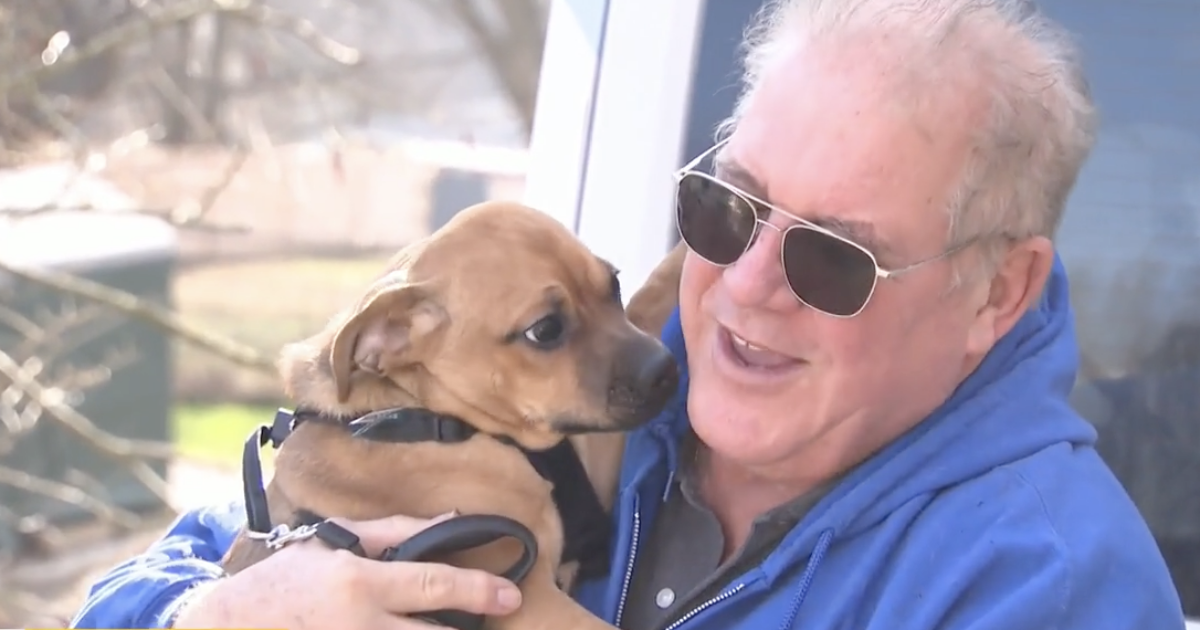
[{"x": 505, "y": 321}]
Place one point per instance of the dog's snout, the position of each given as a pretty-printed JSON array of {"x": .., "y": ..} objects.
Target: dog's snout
[
  {"x": 658, "y": 374},
  {"x": 643, "y": 381}
]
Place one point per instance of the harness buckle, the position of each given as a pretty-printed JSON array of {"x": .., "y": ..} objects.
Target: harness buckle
[{"x": 283, "y": 535}]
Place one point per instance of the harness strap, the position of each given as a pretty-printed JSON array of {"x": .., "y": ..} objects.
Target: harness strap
[
  {"x": 258, "y": 516},
  {"x": 408, "y": 424},
  {"x": 587, "y": 528}
]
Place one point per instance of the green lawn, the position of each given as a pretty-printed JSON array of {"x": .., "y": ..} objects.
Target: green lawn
[{"x": 215, "y": 433}]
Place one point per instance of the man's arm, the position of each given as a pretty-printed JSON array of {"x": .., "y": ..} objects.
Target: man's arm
[
  {"x": 146, "y": 590},
  {"x": 306, "y": 585}
]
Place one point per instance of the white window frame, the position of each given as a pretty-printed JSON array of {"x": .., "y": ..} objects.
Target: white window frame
[{"x": 612, "y": 117}]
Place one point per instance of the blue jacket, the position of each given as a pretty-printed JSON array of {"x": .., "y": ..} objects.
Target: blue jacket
[{"x": 995, "y": 513}]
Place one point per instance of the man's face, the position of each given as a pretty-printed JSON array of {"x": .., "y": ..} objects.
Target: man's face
[{"x": 821, "y": 142}]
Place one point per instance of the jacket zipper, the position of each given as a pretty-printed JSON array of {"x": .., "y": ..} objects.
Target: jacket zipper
[
  {"x": 697, "y": 610},
  {"x": 633, "y": 549}
]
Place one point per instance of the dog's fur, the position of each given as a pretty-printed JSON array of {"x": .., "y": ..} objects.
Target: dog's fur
[{"x": 445, "y": 329}]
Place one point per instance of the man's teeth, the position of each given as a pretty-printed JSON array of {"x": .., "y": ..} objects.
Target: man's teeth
[{"x": 745, "y": 344}]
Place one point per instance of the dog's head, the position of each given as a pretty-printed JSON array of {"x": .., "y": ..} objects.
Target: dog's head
[{"x": 502, "y": 318}]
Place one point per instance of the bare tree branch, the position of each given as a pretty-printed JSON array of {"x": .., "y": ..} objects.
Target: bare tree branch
[
  {"x": 191, "y": 212},
  {"x": 512, "y": 48},
  {"x": 132, "y": 453},
  {"x": 133, "y": 306},
  {"x": 160, "y": 17},
  {"x": 67, "y": 494},
  {"x": 50, "y": 400},
  {"x": 24, "y": 326}
]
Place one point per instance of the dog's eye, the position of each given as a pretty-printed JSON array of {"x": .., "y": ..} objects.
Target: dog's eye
[
  {"x": 616, "y": 287},
  {"x": 546, "y": 332}
]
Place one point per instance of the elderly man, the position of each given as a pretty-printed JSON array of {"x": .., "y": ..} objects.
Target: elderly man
[{"x": 879, "y": 348}]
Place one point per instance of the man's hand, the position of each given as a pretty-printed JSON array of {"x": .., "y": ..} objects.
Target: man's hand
[{"x": 308, "y": 585}]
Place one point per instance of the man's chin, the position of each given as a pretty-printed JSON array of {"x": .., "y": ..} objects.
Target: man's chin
[{"x": 722, "y": 422}]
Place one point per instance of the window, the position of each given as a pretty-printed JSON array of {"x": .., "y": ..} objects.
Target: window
[{"x": 1131, "y": 244}]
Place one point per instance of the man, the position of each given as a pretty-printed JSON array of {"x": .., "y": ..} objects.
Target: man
[{"x": 879, "y": 348}]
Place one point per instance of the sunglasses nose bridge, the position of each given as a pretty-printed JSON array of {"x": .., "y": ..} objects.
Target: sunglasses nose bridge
[
  {"x": 757, "y": 277},
  {"x": 765, "y": 223}
]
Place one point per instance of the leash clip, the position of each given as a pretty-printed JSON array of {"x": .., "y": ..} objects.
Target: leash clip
[
  {"x": 282, "y": 535},
  {"x": 333, "y": 535}
]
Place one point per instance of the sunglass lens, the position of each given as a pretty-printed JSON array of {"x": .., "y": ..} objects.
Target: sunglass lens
[
  {"x": 713, "y": 221},
  {"x": 827, "y": 273}
]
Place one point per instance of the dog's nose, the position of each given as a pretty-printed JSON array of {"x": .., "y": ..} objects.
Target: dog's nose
[{"x": 658, "y": 375}]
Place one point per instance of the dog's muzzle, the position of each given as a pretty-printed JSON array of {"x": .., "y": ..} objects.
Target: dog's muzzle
[{"x": 641, "y": 390}]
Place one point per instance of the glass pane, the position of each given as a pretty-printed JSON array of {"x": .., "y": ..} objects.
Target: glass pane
[{"x": 1131, "y": 242}]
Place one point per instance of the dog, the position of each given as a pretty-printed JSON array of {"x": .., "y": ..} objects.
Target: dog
[{"x": 504, "y": 321}]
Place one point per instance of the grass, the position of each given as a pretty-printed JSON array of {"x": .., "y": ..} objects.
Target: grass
[
  {"x": 214, "y": 434},
  {"x": 263, "y": 304}
]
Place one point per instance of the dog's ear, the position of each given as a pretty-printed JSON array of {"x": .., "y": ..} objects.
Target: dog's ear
[{"x": 384, "y": 335}]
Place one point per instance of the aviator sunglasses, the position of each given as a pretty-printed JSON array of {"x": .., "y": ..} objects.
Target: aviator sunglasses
[{"x": 824, "y": 270}]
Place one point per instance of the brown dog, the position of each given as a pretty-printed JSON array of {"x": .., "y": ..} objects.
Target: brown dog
[{"x": 502, "y": 319}]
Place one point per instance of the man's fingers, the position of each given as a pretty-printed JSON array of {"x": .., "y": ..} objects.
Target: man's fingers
[
  {"x": 410, "y": 587},
  {"x": 380, "y": 534},
  {"x": 404, "y": 588}
]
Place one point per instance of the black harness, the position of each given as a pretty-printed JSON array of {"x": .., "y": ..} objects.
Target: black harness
[{"x": 586, "y": 526}]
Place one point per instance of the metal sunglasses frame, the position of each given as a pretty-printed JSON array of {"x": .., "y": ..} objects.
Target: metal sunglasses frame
[{"x": 799, "y": 224}]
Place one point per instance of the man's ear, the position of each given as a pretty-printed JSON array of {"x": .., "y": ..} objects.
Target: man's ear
[
  {"x": 385, "y": 334},
  {"x": 1016, "y": 287}
]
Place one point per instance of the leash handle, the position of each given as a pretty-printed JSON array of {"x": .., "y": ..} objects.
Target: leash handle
[
  {"x": 459, "y": 534},
  {"x": 468, "y": 532}
]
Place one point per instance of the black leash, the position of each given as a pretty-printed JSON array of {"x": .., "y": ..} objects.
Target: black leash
[
  {"x": 586, "y": 526},
  {"x": 457, "y": 534}
]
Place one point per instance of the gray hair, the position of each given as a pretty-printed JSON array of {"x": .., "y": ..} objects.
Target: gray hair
[{"x": 1042, "y": 124}]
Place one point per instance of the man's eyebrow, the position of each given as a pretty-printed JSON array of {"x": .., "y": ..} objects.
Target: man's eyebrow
[
  {"x": 728, "y": 170},
  {"x": 860, "y": 232}
]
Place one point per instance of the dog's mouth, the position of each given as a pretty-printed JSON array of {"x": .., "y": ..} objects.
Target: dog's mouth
[
  {"x": 617, "y": 419},
  {"x": 572, "y": 425}
]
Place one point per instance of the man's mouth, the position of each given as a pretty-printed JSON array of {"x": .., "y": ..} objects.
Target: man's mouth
[{"x": 749, "y": 354}]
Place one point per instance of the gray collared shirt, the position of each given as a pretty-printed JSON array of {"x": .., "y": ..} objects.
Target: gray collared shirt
[{"x": 679, "y": 567}]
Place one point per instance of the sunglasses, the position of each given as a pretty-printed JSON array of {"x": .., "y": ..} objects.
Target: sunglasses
[{"x": 824, "y": 270}]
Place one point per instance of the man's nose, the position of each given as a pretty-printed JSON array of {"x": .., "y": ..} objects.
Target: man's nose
[{"x": 758, "y": 275}]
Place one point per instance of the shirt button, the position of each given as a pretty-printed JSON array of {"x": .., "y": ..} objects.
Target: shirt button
[{"x": 665, "y": 598}]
